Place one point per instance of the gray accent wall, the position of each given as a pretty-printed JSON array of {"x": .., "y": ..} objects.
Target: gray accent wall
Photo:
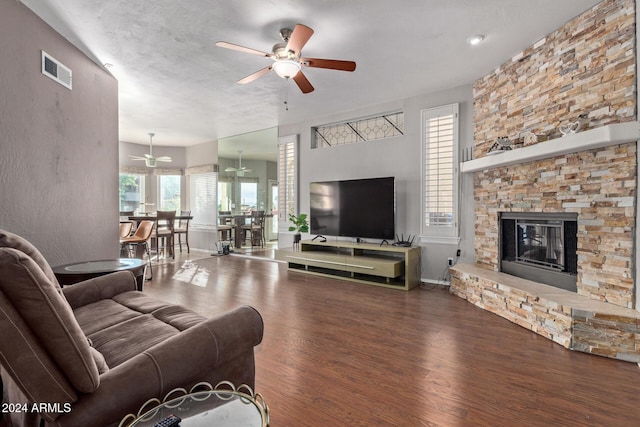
[
  {"x": 399, "y": 157},
  {"x": 58, "y": 147}
]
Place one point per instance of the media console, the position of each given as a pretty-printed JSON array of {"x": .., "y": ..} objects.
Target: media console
[{"x": 389, "y": 266}]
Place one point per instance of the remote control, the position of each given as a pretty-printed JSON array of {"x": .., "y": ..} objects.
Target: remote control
[{"x": 170, "y": 421}]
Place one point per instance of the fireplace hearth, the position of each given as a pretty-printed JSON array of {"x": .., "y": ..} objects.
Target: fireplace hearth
[{"x": 541, "y": 247}]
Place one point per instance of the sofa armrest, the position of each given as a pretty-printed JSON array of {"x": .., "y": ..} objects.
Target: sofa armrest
[
  {"x": 221, "y": 346},
  {"x": 98, "y": 288}
]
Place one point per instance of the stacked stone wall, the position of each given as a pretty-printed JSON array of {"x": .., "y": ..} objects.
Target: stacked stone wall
[
  {"x": 573, "y": 321},
  {"x": 586, "y": 67},
  {"x": 598, "y": 185}
]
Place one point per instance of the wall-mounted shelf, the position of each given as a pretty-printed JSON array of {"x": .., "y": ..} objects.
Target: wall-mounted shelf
[{"x": 603, "y": 136}]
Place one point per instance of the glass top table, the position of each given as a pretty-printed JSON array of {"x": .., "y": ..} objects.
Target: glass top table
[
  {"x": 102, "y": 266},
  {"x": 214, "y": 407},
  {"x": 68, "y": 274}
]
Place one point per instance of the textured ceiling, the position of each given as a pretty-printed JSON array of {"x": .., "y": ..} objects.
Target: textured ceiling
[{"x": 175, "y": 82}]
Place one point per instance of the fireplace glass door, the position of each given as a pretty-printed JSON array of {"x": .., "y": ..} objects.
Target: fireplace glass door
[
  {"x": 540, "y": 243},
  {"x": 540, "y": 247}
]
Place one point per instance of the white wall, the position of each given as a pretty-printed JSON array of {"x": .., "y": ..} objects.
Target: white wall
[
  {"x": 58, "y": 147},
  {"x": 399, "y": 157}
]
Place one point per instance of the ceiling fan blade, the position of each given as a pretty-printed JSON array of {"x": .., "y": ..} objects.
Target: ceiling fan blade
[
  {"x": 302, "y": 82},
  {"x": 332, "y": 64},
  {"x": 299, "y": 37},
  {"x": 239, "y": 48},
  {"x": 231, "y": 170},
  {"x": 255, "y": 75},
  {"x": 137, "y": 157},
  {"x": 163, "y": 159}
]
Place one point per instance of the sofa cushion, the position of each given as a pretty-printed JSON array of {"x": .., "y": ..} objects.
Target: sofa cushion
[
  {"x": 46, "y": 313},
  {"x": 10, "y": 240},
  {"x": 23, "y": 359},
  {"x": 102, "y": 314},
  {"x": 130, "y": 323},
  {"x": 125, "y": 340},
  {"x": 177, "y": 316}
]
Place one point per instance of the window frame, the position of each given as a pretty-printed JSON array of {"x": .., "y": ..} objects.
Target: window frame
[
  {"x": 141, "y": 179},
  {"x": 434, "y": 233},
  {"x": 359, "y": 130},
  {"x": 159, "y": 203}
]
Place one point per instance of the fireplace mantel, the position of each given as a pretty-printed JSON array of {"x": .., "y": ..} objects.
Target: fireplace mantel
[{"x": 604, "y": 136}]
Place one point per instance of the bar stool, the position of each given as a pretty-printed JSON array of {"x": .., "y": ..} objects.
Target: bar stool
[{"x": 140, "y": 238}]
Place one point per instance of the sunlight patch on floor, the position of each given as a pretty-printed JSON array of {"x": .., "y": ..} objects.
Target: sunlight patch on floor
[{"x": 193, "y": 274}]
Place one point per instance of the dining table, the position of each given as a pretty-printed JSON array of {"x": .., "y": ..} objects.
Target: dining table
[
  {"x": 152, "y": 217},
  {"x": 238, "y": 220}
]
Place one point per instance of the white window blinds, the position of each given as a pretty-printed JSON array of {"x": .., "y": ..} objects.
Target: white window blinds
[
  {"x": 287, "y": 175},
  {"x": 203, "y": 199},
  {"x": 440, "y": 145}
]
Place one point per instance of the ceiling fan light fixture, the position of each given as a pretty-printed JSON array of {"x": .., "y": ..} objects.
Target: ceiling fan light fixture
[{"x": 286, "y": 68}]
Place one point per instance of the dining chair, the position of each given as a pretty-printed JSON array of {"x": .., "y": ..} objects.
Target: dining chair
[
  {"x": 125, "y": 229},
  {"x": 225, "y": 225},
  {"x": 183, "y": 228},
  {"x": 165, "y": 226},
  {"x": 140, "y": 238},
  {"x": 255, "y": 229}
]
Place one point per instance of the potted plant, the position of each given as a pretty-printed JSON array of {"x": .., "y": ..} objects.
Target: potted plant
[{"x": 300, "y": 225}]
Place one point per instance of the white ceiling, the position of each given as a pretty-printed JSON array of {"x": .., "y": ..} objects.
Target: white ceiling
[{"x": 175, "y": 82}]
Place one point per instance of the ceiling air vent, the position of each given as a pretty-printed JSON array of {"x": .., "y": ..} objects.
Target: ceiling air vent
[{"x": 53, "y": 69}]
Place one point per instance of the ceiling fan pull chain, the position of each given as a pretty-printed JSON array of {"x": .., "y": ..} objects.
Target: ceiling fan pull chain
[{"x": 286, "y": 96}]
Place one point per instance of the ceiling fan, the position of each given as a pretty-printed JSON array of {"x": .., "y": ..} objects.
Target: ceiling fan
[
  {"x": 240, "y": 170},
  {"x": 287, "y": 60},
  {"x": 149, "y": 160}
]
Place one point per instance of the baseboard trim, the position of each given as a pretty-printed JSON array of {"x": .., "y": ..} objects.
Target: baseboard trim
[{"x": 435, "y": 282}]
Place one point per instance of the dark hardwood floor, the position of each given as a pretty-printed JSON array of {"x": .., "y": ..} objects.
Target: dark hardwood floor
[{"x": 337, "y": 353}]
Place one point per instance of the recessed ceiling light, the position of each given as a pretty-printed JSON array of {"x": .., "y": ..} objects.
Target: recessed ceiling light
[{"x": 475, "y": 40}]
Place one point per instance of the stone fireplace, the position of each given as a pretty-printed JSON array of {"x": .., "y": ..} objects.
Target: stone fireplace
[
  {"x": 581, "y": 293},
  {"x": 540, "y": 246}
]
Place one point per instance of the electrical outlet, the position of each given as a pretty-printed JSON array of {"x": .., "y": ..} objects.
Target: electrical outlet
[{"x": 450, "y": 261}]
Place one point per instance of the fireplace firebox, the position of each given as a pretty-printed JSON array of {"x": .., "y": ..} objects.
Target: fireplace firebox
[{"x": 541, "y": 247}]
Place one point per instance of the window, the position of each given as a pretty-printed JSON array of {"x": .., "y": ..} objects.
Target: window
[
  {"x": 225, "y": 194},
  {"x": 203, "y": 199},
  {"x": 368, "y": 129},
  {"x": 131, "y": 192},
  {"x": 287, "y": 176},
  {"x": 169, "y": 192},
  {"x": 440, "y": 174},
  {"x": 248, "y": 194}
]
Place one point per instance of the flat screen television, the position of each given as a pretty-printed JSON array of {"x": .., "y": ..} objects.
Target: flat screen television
[{"x": 364, "y": 208}]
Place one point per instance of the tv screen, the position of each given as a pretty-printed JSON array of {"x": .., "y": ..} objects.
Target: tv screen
[{"x": 362, "y": 208}]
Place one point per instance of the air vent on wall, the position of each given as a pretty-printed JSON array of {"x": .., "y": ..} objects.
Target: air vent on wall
[{"x": 53, "y": 69}]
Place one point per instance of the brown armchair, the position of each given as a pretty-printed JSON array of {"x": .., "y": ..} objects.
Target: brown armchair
[{"x": 98, "y": 350}]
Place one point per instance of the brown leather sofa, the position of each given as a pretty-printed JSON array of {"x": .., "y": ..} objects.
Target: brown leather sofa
[{"x": 89, "y": 354}]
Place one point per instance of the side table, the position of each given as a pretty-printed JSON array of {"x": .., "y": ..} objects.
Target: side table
[
  {"x": 222, "y": 405},
  {"x": 68, "y": 274}
]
